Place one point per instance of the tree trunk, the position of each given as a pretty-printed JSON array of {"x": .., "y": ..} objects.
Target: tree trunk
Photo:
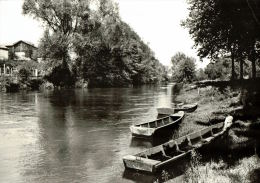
[
  {"x": 253, "y": 68},
  {"x": 233, "y": 66},
  {"x": 241, "y": 68}
]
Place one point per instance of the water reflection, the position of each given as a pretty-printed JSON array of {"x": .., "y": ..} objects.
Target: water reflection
[
  {"x": 78, "y": 135},
  {"x": 73, "y": 135}
]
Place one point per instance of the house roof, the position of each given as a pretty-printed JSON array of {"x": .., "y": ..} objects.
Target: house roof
[
  {"x": 26, "y": 42},
  {"x": 3, "y": 47}
]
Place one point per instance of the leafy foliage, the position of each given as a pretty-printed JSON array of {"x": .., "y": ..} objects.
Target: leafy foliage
[
  {"x": 183, "y": 68},
  {"x": 107, "y": 52},
  {"x": 225, "y": 27},
  {"x": 220, "y": 69},
  {"x": 24, "y": 74},
  {"x": 200, "y": 75}
]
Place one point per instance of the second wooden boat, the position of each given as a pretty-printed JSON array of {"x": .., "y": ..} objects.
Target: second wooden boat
[
  {"x": 156, "y": 157},
  {"x": 185, "y": 108},
  {"x": 149, "y": 128}
]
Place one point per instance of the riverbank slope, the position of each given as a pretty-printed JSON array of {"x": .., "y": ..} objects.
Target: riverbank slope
[{"x": 214, "y": 104}]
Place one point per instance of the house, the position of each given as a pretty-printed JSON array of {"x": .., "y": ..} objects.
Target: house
[
  {"x": 19, "y": 51},
  {"x": 3, "y": 53},
  {"x": 22, "y": 50}
]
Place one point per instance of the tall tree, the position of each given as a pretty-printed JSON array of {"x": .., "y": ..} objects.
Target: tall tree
[
  {"x": 183, "y": 68},
  {"x": 221, "y": 27},
  {"x": 61, "y": 20},
  {"x": 107, "y": 51}
]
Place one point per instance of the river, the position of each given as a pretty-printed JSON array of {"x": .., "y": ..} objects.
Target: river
[{"x": 75, "y": 135}]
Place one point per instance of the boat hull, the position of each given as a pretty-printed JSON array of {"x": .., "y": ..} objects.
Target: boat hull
[
  {"x": 141, "y": 164},
  {"x": 142, "y": 132},
  {"x": 157, "y": 157},
  {"x": 169, "y": 111},
  {"x": 187, "y": 108},
  {"x": 148, "y": 132}
]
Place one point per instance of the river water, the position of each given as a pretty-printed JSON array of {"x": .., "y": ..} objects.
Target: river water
[{"x": 75, "y": 135}]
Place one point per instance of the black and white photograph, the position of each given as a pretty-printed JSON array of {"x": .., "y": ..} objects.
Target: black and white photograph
[{"x": 129, "y": 91}]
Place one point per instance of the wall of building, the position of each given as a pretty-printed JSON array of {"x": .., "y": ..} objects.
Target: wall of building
[
  {"x": 24, "y": 48},
  {"x": 3, "y": 54},
  {"x": 22, "y": 51}
]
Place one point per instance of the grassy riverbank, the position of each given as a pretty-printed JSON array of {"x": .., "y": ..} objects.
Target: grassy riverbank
[
  {"x": 215, "y": 172},
  {"x": 213, "y": 106}
]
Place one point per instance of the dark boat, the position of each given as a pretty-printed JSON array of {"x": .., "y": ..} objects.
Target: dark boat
[
  {"x": 185, "y": 108},
  {"x": 156, "y": 157},
  {"x": 147, "y": 129}
]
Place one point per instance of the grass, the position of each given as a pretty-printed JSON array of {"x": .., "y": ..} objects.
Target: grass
[
  {"x": 213, "y": 106},
  {"x": 209, "y": 101},
  {"x": 216, "y": 172}
]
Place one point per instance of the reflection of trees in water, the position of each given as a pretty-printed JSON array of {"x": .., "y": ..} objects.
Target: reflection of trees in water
[
  {"x": 75, "y": 126},
  {"x": 61, "y": 98},
  {"x": 110, "y": 104},
  {"x": 176, "y": 88}
]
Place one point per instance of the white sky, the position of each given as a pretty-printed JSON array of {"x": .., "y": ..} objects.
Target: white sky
[{"x": 156, "y": 21}]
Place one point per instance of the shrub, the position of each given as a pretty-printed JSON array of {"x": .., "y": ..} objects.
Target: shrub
[{"x": 24, "y": 74}]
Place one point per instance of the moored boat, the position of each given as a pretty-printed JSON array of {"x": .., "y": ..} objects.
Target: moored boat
[
  {"x": 147, "y": 129},
  {"x": 156, "y": 157},
  {"x": 169, "y": 111}
]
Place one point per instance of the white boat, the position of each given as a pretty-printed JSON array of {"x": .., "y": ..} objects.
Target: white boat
[{"x": 147, "y": 129}]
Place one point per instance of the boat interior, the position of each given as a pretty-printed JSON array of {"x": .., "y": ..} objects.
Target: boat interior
[
  {"x": 159, "y": 122},
  {"x": 181, "y": 145}
]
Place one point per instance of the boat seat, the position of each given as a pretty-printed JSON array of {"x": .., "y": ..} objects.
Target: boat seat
[
  {"x": 211, "y": 131},
  {"x": 189, "y": 141},
  {"x": 198, "y": 145},
  {"x": 171, "y": 144},
  {"x": 215, "y": 135},
  {"x": 177, "y": 148},
  {"x": 164, "y": 154},
  {"x": 163, "y": 122},
  {"x": 208, "y": 139}
]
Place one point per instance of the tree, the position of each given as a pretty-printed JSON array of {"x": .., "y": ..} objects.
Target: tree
[
  {"x": 107, "y": 51},
  {"x": 200, "y": 75},
  {"x": 183, "y": 68},
  {"x": 221, "y": 27},
  {"x": 112, "y": 54},
  {"x": 61, "y": 20}
]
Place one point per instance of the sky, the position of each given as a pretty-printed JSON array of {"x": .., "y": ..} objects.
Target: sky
[{"x": 156, "y": 21}]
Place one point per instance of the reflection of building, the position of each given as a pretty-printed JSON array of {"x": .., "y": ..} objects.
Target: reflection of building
[
  {"x": 3, "y": 53},
  {"x": 21, "y": 50}
]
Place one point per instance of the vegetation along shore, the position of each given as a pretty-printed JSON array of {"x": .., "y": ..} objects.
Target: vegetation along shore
[{"x": 84, "y": 46}]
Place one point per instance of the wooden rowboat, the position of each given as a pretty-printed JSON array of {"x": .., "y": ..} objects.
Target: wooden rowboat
[
  {"x": 149, "y": 128},
  {"x": 156, "y": 157},
  {"x": 185, "y": 108}
]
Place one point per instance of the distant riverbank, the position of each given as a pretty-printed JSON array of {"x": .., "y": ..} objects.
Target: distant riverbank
[{"x": 15, "y": 83}]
